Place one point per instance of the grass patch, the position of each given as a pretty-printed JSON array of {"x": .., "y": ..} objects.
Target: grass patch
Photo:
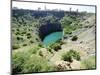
[{"x": 89, "y": 63}]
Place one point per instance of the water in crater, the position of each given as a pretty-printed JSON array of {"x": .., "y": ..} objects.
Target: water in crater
[{"x": 52, "y": 38}]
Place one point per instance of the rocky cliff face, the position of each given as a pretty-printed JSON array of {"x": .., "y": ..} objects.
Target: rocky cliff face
[{"x": 45, "y": 30}]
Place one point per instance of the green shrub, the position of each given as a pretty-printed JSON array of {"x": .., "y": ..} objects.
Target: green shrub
[
  {"x": 15, "y": 46},
  {"x": 37, "y": 39},
  {"x": 40, "y": 45},
  {"x": 25, "y": 44},
  {"x": 80, "y": 24},
  {"x": 31, "y": 41},
  {"x": 24, "y": 32},
  {"x": 68, "y": 32},
  {"x": 28, "y": 37},
  {"x": 67, "y": 57},
  {"x": 50, "y": 50},
  {"x": 89, "y": 63},
  {"x": 55, "y": 46},
  {"x": 66, "y": 20},
  {"x": 34, "y": 50},
  {"x": 60, "y": 42},
  {"x": 24, "y": 62},
  {"x": 18, "y": 59},
  {"x": 74, "y": 38},
  {"x": 71, "y": 54},
  {"x": 86, "y": 26},
  {"x": 28, "y": 34},
  {"x": 40, "y": 53},
  {"x": 17, "y": 33},
  {"x": 36, "y": 64},
  {"x": 75, "y": 54},
  {"x": 17, "y": 29},
  {"x": 18, "y": 38}
]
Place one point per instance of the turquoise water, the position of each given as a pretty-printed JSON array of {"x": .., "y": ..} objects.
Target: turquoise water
[{"x": 52, "y": 38}]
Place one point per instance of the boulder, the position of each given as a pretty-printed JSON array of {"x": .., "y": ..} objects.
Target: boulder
[{"x": 62, "y": 65}]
